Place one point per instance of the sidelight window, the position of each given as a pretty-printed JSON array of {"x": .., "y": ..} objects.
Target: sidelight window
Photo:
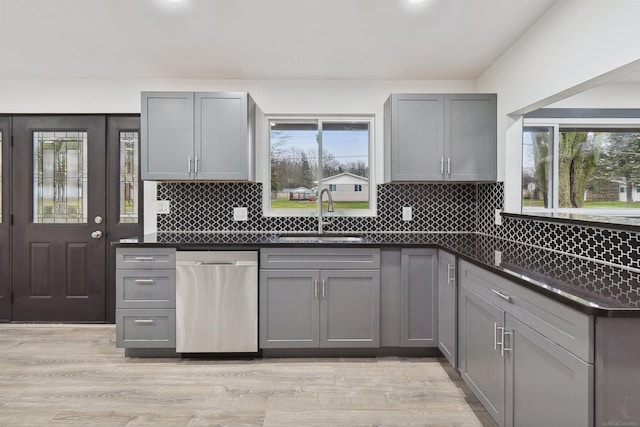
[
  {"x": 129, "y": 167},
  {"x": 307, "y": 154}
]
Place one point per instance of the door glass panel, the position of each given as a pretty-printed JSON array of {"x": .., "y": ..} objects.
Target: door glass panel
[
  {"x": 129, "y": 177},
  {"x": 60, "y": 177}
]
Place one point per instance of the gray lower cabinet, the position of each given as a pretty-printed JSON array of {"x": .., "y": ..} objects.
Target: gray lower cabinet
[
  {"x": 145, "y": 298},
  {"x": 545, "y": 384},
  {"x": 408, "y": 308},
  {"x": 481, "y": 361},
  {"x": 440, "y": 137},
  {"x": 523, "y": 355},
  {"x": 198, "y": 136},
  {"x": 447, "y": 306},
  {"x": 330, "y": 306}
]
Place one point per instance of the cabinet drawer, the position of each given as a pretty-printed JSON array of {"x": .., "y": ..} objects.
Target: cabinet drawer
[
  {"x": 142, "y": 328},
  {"x": 146, "y": 258},
  {"x": 561, "y": 324},
  {"x": 145, "y": 288},
  {"x": 319, "y": 258}
]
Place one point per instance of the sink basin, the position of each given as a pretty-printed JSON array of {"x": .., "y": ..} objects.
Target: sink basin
[{"x": 318, "y": 238}]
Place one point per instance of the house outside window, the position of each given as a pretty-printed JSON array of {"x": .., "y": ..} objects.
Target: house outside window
[
  {"x": 307, "y": 154},
  {"x": 581, "y": 166}
]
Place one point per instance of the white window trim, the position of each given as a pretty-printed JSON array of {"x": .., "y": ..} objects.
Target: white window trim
[
  {"x": 264, "y": 159},
  {"x": 556, "y": 125}
]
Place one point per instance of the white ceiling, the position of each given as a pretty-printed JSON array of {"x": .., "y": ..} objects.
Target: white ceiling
[{"x": 259, "y": 39}]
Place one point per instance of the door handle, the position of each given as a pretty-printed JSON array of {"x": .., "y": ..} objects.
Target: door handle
[{"x": 96, "y": 234}]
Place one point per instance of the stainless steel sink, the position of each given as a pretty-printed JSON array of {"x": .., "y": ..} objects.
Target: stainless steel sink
[{"x": 318, "y": 238}]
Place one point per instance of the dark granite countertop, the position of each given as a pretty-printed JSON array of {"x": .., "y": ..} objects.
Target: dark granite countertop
[{"x": 593, "y": 288}]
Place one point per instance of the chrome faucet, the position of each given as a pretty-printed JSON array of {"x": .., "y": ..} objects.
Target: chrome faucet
[{"x": 321, "y": 223}]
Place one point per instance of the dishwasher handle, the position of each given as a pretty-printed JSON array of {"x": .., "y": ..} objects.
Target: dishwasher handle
[{"x": 233, "y": 263}]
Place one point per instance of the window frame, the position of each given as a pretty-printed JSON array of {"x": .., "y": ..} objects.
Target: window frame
[
  {"x": 267, "y": 211},
  {"x": 556, "y": 125}
]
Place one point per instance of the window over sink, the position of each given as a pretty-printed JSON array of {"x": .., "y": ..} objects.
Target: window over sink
[{"x": 310, "y": 153}]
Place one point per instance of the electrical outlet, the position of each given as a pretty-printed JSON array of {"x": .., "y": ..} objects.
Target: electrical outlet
[
  {"x": 498, "y": 218},
  {"x": 406, "y": 213},
  {"x": 240, "y": 214},
  {"x": 498, "y": 256},
  {"x": 163, "y": 207}
]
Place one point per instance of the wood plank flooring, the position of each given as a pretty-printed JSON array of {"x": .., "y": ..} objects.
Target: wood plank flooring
[{"x": 72, "y": 375}]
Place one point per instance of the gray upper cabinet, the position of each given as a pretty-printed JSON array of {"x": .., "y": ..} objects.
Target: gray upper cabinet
[
  {"x": 447, "y": 303},
  {"x": 198, "y": 136},
  {"x": 440, "y": 137}
]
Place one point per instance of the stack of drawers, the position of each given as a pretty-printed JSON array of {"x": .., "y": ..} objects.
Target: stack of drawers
[{"x": 146, "y": 297}]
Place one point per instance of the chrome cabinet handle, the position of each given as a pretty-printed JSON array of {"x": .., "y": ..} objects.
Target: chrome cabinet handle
[
  {"x": 501, "y": 295},
  {"x": 451, "y": 274},
  {"x": 495, "y": 337},
  {"x": 144, "y": 281},
  {"x": 497, "y": 343},
  {"x": 315, "y": 288},
  {"x": 196, "y": 165},
  {"x": 144, "y": 258},
  {"x": 504, "y": 348},
  {"x": 449, "y": 165},
  {"x": 143, "y": 321},
  {"x": 189, "y": 164},
  {"x": 323, "y": 288},
  {"x": 441, "y": 165}
]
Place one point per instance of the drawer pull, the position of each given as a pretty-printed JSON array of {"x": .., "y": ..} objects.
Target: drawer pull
[
  {"x": 501, "y": 295},
  {"x": 144, "y": 281},
  {"x": 144, "y": 258},
  {"x": 143, "y": 321}
]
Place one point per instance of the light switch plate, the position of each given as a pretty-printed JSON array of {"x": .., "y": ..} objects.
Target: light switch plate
[
  {"x": 240, "y": 214},
  {"x": 163, "y": 207},
  {"x": 406, "y": 213},
  {"x": 498, "y": 217}
]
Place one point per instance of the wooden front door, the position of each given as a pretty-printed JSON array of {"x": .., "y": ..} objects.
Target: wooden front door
[{"x": 59, "y": 210}]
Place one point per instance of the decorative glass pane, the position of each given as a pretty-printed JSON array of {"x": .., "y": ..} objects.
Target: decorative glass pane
[
  {"x": 60, "y": 177},
  {"x": 129, "y": 177}
]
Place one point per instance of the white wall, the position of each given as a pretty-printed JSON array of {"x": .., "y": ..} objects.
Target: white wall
[
  {"x": 576, "y": 45},
  {"x": 612, "y": 95}
]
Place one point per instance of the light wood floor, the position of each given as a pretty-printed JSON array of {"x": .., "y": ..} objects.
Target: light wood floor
[{"x": 70, "y": 375}]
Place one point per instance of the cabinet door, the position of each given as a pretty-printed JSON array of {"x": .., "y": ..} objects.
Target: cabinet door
[
  {"x": 167, "y": 140},
  {"x": 545, "y": 384},
  {"x": 350, "y": 308},
  {"x": 419, "y": 310},
  {"x": 447, "y": 312},
  {"x": 221, "y": 135},
  {"x": 417, "y": 141},
  {"x": 470, "y": 137},
  {"x": 481, "y": 363},
  {"x": 289, "y": 308}
]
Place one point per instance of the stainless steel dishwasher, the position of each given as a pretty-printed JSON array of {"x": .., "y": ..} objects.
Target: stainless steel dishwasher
[{"x": 216, "y": 301}]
